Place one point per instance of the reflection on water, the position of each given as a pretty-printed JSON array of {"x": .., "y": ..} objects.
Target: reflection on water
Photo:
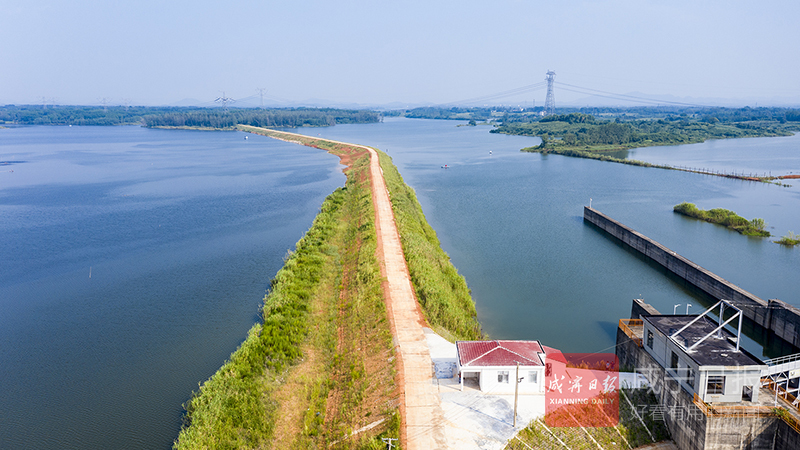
[{"x": 620, "y": 154}]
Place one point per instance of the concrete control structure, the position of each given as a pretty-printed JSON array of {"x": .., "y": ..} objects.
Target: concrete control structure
[
  {"x": 715, "y": 370},
  {"x": 711, "y": 393}
]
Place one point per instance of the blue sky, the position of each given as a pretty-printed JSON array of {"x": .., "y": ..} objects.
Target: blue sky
[{"x": 409, "y": 52}]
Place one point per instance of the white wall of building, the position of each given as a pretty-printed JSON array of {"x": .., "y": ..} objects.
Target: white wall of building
[
  {"x": 695, "y": 378},
  {"x": 500, "y": 379}
]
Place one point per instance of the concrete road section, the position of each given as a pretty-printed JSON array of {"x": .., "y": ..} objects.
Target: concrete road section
[{"x": 423, "y": 417}]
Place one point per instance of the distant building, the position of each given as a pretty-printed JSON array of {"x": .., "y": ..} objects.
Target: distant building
[{"x": 493, "y": 365}]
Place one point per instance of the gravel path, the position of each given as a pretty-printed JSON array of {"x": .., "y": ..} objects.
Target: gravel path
[
  {"x": 423, "y": 422},
  {"x": 423, "y": 418}
]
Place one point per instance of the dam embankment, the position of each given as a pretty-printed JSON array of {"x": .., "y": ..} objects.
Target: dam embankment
[{"x": 780, "y": 318}]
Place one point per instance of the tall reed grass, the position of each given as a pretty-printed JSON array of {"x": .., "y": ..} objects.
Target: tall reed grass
[{"x": 442, "y": 292}]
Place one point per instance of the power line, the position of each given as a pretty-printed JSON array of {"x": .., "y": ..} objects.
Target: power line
[
  {"x": 616, "y": 96},
  {"x": 550, "y": 83},
  {"x": 508, "y": 93}
]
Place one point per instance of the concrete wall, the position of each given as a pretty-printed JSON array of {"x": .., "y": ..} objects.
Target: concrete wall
[
  {"x": 780, "y": 318},
  {"x": 786, "y": 438},
  {"x": 784, "y": 321},
  {"x": 627, "y": 351},
  {"x": 751, "y": 433},
  {"x": 640, "y": 308}
]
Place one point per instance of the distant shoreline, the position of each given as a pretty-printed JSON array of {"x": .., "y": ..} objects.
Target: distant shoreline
[{"x": 166, "y": 127}]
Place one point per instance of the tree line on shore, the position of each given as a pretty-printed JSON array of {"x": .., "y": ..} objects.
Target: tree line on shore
[
  {"x": 509, "y": 114},
  {"x": 580, "y": 129},
  {"x": 290, "y": 118},
  {"x": 182, "y": 117}
]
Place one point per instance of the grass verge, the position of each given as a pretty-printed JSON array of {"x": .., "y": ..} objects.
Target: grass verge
[{"x": 441, "y": 291}]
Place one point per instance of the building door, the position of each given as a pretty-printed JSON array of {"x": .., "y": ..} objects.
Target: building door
[{"x": 747, "y": 394}]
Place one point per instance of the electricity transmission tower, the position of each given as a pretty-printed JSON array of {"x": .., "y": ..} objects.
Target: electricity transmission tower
[
  {"x": 261, "y": 93},
  {"x": 550, "y": 100},
  {"x": 224, "y": 100}
]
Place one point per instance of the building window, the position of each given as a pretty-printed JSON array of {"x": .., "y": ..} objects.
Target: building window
[
  {"x": 649, "y": 338},
  {"x": 502, "y": 376},
  {"x": 533, "y": 377},
  {"x": 690, "y": 377},
  {"x": 674, "y": 362},
  {"x": 716, "y": 385}
]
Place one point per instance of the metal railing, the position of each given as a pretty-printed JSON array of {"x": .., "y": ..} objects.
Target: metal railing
[
  {"x": 626, "y": 324},
  {"x": 787, "y": 416},
  {"x": 732, "y": 410},
  {"x": 782, "y": 359},
  {"x": 782, "y": 393}
]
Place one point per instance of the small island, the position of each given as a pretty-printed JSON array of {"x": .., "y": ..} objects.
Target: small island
[
  {"x": 728, "y": 218},
  {"x": 790, "y": 240}
]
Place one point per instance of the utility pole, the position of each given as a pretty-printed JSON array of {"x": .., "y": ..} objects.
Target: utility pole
[
  {"x": 516, "y": 395},
  {"x": 104, "y": 102},
  {"x": 550, "y": 100},
  {"x": 388, "y": 442},
  {"x": 261, "y": 93}
]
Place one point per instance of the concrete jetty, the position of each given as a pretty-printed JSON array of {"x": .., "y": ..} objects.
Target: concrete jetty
[{"x": 780, "y": 318}]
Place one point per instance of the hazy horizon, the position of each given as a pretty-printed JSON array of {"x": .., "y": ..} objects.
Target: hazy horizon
[{"x": 366, "y": 54}]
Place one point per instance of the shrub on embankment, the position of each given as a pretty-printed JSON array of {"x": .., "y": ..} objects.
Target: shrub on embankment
[
  {"x": 233, "y": 409},
  {"x": 441, "y": 290},
  {"x": 725, "y": 217}
]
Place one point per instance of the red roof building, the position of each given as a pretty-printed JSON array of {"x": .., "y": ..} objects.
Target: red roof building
[{"x": 495, "y": 364}]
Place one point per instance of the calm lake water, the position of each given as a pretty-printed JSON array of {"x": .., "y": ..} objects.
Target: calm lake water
[
  {"x": 758, "y": 156},
  {"x": 512, "y": 223},
  {"x": 183, "y": 230}
]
